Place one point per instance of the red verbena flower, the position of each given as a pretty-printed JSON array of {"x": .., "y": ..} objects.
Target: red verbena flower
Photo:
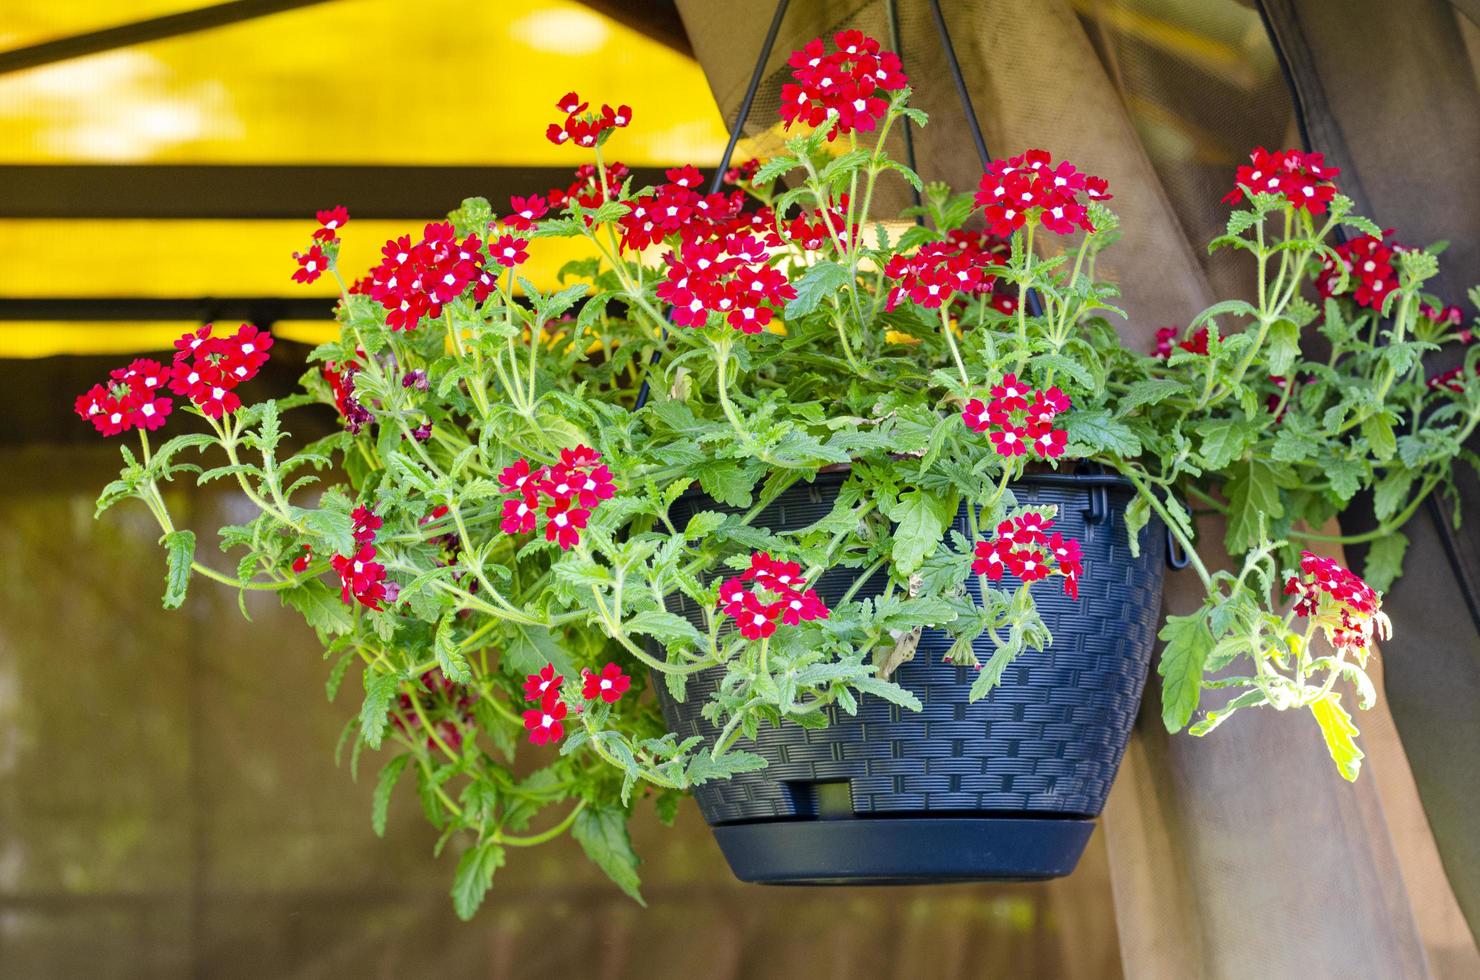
[
  {"x": 545, "y": 722},
  {"x": 1366, "y": 271},
  {"x": 537, "y": 687},
  {"x": 1016, "y": 190},
  {"x": 361, "y": 578},
  {"x": 301, "y": 563},
  {"x": 846, "y": 85},
  {"x": 1014, "y": 425},
  {"x": 1348, "y": 610},
  {"x": 770, "y": 590},
  {"x": 509, "y": 251},
  {"x": 609, "y": 685},
  {"x": 1023, "y": 548},
  {"x": 1303, "y": 179},
  {"x": 311, "y": 265},
  {"x": 330, "y": 222}
]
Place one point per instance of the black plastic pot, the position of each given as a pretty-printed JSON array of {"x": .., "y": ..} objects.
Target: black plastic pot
[{"x": 1003, "y": 789}]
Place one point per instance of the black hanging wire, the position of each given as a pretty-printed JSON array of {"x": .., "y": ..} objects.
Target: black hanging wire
[
  {"x": 717, "y": 181},
  {"x": 1035, "y": 306}
]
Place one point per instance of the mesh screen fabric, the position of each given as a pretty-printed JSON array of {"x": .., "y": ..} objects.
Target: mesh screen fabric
[{"x": 1163, "y": 97}]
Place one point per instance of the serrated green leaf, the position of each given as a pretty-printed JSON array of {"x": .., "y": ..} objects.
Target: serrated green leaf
[
  {"x": 385, "y": 784},
  {"x": 321, "y": 607},
  {"x": 179, "y": 547},
  {"x": 449, "y": 657},
  {"x": 1102, "y": 434},
  {"x": 1340, "y": 735},
  {"x": 474, "y": 877},
  {"x": 1385, "y": 560},
  {"x": 379, "y": 690},
  {"x": 1188, "y": 643},
  {"x": 819, "y": 281},
  {"x": 602, "y": 834},
  {"x": 1224, "y": 440},
  {"x": 920, "y": 520}
]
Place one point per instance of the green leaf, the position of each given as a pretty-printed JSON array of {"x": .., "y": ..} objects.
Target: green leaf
[
  {"x": 1282, "y": 346},
  {"x": 990, "y": 676},
  {"x": 335, "y": 525},
  {"x": 664, "y": 626},
  {"x": 1378, "y": 430},
  {"x": 475, "y": 877},
  {"x": 1385, "y": 560},
  {"x": 1391, "y": 493},
  {"x": 380, "y": 800},
  {"x": 320, "y": 606},
  {"x": 773, "y": 168},
  {"x": 728, "y": 482},
  {"x": 1137, "y": 516},
  {"x": 379, "y": 690},
  {"x": 1340, "y": 734},
  {"x": 1188, "y": 643},
  {"x": 889, "y": 691},
  {"x": 920, "y": 521},
  {"x": 1149, "y": 392},
  {"x": 449, "y": 657},
  {"x": 179, "y": 549},
  {"x": 602, "y": 833},
  {"x": 336, "y": 674},
  {"x": 1224, "y": 440},
  {"x": 530, "y": 648},
  {"x": 1096, "y": 430},
  {"x": 819, "y": 281},
  {"x": 1253, "y": 491}
]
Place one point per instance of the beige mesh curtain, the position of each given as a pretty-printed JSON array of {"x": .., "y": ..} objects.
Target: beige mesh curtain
[{"x": 1242, "y": 854}]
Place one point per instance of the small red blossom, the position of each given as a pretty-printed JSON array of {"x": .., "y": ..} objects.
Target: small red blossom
[
  {"x": 1023, "y": 548},
  {"x": 545, "y": 723},
  {"x": 1348, "y": 610},
  {"x": 564, "y": 523},
  {"x": 361, "y": 578},
  {"x": 538, "y": 687},
  {"x": 364, "y": 523},
  {"x": 311, "y": 265},
  {"x": 1014, "y": 425},
  {"x": 1368, "y": 266},
  {"x": 940, "y": 272},
  {"x": 330, "y": 222},
  {"x": 301, "y": 563},
  {"x": 525, "y": 211},
  {"x": 847, "y": 85},
  {"x": 609, "y": 685},
  {"x": 1019, "y": 189},
  {"x": 582, "y": 127},
  {"x": 1304, "y": 180},
  {"x": 509, "y": 251},
  {"x": 770, "y": 590}
]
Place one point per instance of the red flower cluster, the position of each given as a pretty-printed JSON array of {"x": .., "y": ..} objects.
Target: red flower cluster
[
  {"x": 546, "y": 723},
  {"x": 415, "y": 281},
  {"x": 730, "y": 276},
  {"x": 1024, "y": 549},
  {"x": 742, "y": 173},
  {"x": 1453, "y": 379},
  {"x": 565, "y": 493},
  {"x": 938, "y": 271},
  {"x": 1368, "y": 262},
  {"x": 678, "y": 207},
  {"x": 844, "y": 84},
  {"x": 361, "y": 577},
  {"x": 1016, "y": 190},
  {"x": 813, "y": 231},
  {"x": 767, "y": 592},
  {"x": 330, "y": 222},
  {"x": 1303, "y": 179},
  {"x": 449, "y": 707},
  {"x": 609, "y": 684},
  {"x": 206, "y": 369},
  {"x": 1165, "y": 335},
  {"x": 1016, "y": 425},
  {"x": 584, "y": 128},
  {"x": 1346, "y": 608}
]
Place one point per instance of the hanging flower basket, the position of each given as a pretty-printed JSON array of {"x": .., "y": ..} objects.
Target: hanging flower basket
[
  {"x": 1004, "y": 787},
  {"x": 882, "y": 508}
]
